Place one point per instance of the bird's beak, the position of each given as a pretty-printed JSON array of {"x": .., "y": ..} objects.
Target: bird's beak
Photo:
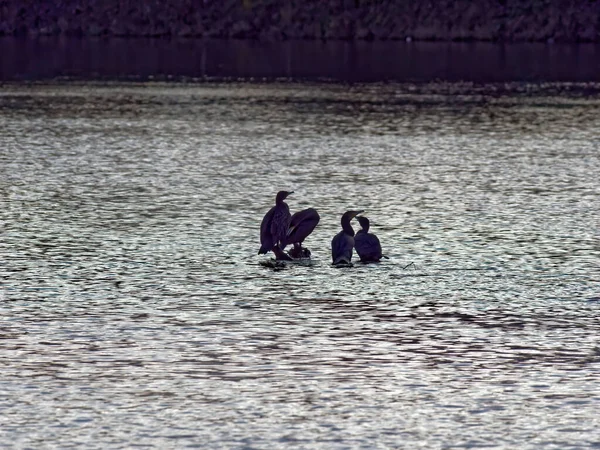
[{"x": 356, "y": 213}]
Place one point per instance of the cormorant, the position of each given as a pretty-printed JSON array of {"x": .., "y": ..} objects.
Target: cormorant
[
  {"x": 343, "y": 242},
  {"x": 367, "y": 244},
  {"x": 274, "y": 226},
  {"x": 301, "y": 225},
  {"x": 280, "y": 255}
]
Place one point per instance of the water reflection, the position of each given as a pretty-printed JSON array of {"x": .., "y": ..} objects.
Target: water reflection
[
  {"x": 133, "y": 299},
  {"x": 43, "y": 58}
]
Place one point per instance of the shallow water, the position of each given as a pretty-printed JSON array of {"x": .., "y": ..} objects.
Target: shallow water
[{"x": 135, "y": 311}]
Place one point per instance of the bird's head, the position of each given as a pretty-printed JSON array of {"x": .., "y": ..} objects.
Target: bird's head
[
  {"x": 282, "y": 195},
  {"x": 349, "y": 215},
  {"x": 364, "y": 222}
]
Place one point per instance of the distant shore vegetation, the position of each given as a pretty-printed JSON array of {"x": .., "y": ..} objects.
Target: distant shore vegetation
[{"x": 271, "y": 20}]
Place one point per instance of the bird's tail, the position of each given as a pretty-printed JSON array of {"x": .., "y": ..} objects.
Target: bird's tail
[{"x": 341, "y": 260}]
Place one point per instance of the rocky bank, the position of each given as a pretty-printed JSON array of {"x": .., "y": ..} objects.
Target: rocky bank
[{"x": 271, "y": 20}]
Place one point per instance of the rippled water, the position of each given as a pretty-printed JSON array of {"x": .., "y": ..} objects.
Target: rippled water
[{"x": 135, "y": 311}]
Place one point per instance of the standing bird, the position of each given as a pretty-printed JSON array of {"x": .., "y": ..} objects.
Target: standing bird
[
  {"x": 301, "y": 225},
  {"x": 367, "y": 244},
  {"x": 274, "y": 226},
  {"x": 343, "y": 242}
]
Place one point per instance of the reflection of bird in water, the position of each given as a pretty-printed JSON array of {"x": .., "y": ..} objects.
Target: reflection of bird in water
[
  {"x": 367, "y": 244},
  {"x": 343, "y": 242},
  {"x": 274, "y": 226},
  {"x": 301, "y": 225}
]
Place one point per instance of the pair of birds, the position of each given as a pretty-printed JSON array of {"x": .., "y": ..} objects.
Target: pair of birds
[{"x": 279, "y": 229}]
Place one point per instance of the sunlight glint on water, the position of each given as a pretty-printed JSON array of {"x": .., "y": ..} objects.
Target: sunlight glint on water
[{"x": 134, "y": 308}]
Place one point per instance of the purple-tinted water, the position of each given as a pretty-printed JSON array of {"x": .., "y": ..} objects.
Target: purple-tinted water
[
  {"x": 134, "y": 310},
  {"x": 45, "y": 58}
]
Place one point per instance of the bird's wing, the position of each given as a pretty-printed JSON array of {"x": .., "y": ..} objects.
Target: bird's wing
[
  {"x": 266, "y": 238},
  {"x": 341, "y": 248},
  {"x": 302, "y": 224},
  {"x": 367, "y": 246}
]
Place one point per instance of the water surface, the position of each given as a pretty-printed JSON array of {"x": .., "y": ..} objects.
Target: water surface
[
  {"x": 135, "y": 311},
  {"x": 165, "y": 59}
]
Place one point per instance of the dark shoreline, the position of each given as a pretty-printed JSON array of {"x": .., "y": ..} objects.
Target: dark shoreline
[
  {"x": 27, "y": 59},
  {"x": 566, "y": 21}
]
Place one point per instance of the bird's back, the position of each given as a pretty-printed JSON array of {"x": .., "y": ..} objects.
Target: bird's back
[
  {"x": 341, "y": 248},
  {"x": 367, "y": 246}
]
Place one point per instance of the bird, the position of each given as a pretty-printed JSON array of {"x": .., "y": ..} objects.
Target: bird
[
  {"x": 274, "y": 226},
  {"x": 343, "y": 242},
  {"x": 302, "y": 224},
  {"x": 367, "y": 244}
]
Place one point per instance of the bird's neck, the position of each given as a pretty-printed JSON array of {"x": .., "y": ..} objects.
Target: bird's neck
[{"x": 347, "y": 227}]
